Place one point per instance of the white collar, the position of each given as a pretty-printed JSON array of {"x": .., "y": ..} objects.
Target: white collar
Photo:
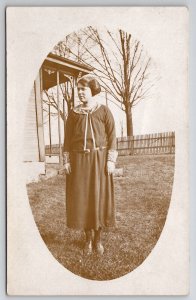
[{"x": 85, "y": 110}]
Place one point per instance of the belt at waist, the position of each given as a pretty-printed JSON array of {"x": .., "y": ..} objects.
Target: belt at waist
[{"x": 90, "y": 150}]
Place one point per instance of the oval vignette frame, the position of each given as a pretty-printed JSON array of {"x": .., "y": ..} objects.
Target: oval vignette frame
[{"x": 146, "y": 175}]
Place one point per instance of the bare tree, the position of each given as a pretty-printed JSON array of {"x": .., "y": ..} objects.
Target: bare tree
[
  {"x": 119, "y": 61},
  {"x": 51, "y": 101}
]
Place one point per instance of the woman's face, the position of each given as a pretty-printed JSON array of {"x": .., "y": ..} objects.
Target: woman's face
[{"x": 84, "y": 93}]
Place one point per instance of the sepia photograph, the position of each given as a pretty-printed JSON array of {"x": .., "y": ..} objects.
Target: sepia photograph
[
  {"x": 91, "y": 163},
  {"x": 102, "y": 127}
]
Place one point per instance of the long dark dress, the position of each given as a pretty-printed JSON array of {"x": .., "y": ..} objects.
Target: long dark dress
[{"x": 89, "y": 189}]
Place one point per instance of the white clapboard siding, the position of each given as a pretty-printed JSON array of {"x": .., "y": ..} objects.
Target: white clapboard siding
[{"x": 31, "y": 150}]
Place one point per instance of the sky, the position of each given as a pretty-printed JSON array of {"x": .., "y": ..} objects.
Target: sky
[{"x": 166, "y": 45}]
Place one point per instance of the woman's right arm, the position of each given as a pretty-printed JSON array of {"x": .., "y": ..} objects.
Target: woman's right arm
[{"x": 67, "y": 143}]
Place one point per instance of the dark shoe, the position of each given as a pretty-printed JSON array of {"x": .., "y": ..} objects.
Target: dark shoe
[
  {"x": 99, "y": 248},
  {"x": 88, "y": 248}
]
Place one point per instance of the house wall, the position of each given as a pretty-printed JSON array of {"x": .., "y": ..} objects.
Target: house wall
[
  {"x": 31, "y": 150},
  {"x": 34, "y": 163}
]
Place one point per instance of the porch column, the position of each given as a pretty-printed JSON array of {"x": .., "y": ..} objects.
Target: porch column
[
  {"x": 59, "y": 120},
  {"x": 39, "y": 116}
]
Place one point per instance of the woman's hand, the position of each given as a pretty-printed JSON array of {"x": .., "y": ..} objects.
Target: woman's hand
[
  {"x": 110, "y": 167},
  {"x": 67, "y": 168}
]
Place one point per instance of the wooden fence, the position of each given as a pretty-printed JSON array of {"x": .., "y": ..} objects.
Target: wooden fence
[{"x": 156, "y": 143}]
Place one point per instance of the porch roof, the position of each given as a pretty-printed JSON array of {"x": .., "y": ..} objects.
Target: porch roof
[{"x": 65, "y": 66}]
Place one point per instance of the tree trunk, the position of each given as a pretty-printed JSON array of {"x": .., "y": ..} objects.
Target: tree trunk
[{"x": 129, "y": 121}]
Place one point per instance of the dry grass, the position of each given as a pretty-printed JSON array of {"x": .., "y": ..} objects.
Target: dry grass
[{"x": 142, "y": 201}]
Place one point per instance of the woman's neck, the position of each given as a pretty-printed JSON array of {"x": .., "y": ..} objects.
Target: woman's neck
[{"x": 89, "y": 104}]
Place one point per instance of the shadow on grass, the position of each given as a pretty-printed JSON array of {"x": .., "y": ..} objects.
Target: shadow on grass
[{"x": 142, "y": 200}]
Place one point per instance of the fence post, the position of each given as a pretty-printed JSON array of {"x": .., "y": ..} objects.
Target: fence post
[
  {"x": 170, "y": 140},
  {"x": 117, "y": 145},
  {"x": 132, "y": 145}
]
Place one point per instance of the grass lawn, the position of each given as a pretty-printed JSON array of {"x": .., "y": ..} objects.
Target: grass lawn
[{"x": 143, "y": 196}]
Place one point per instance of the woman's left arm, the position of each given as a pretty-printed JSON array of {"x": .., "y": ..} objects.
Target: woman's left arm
[{"x": 111, "y": 136}]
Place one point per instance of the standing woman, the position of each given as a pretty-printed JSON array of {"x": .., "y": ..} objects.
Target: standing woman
[{"x": 89, "y": 161}]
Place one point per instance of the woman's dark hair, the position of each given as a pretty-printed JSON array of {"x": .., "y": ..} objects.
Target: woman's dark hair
[{"x": 92, "y": 83}]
